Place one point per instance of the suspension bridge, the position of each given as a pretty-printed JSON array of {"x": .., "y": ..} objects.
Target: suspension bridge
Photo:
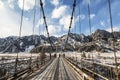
[{"x": 59, "y": 65}]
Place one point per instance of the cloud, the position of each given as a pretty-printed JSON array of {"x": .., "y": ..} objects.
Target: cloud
[
  {"x": 29, "y": 4},
  {"x": 65, "y": 22},
  {"x": 114, "y": 29},
  {"x": 10, "y": 22},
  {"x": 92, "y": 16},
  {"x": 54, "y": 29},
  {"x": 7, "y": 24},
  {"x": 85, "y": 2},
  {"x": 88, "y": 1},
  {"x": 55, "y": 2},
  {"x": 102, "y": 23},
  {"x": 82, "y": 17},
  {"x": 59, "y": 12},
  {"x": 11, "y": 3},
  {"x": 40, "y": 22},
  {"x": 1, "y": 5}
]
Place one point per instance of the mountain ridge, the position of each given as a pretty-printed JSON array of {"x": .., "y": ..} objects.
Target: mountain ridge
[{"x": 100, "y": 40}]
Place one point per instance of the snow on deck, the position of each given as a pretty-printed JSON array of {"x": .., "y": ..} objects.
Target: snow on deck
[
  {"x": 105, "y": 58},
  {"x": 20, "y": 55}
]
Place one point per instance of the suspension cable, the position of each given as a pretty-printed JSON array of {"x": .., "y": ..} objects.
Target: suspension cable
[
  {"x": 20, "y": 29},
  {"x": 90, "y": 24},
  {"x": 80, "y": 25},
  {"x": 113, "y": 36},
  {"x": 33, "y": 31},
  {"x": 73, "y": 10},
  {"x": 42, "y": 9},
  {"x": 89, "y": 17},
  {"x": 79, "y": 17},
  {"x": 38, "y": 57},
  {"x": 75, "y": 38},
  {"x": 34, "y": 17}
]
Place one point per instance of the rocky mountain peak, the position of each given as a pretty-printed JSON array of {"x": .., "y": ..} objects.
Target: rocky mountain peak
[
  {"x": 101, "y": 34},
  {"x": 80, "y": 42}
]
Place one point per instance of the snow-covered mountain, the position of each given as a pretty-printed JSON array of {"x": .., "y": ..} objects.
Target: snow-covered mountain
[
  {"x": 100, "y": 40},
  {"x": 25, "y": 44}
]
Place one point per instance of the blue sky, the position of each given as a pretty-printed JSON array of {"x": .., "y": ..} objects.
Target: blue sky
[{"x": 58, "y": 13}]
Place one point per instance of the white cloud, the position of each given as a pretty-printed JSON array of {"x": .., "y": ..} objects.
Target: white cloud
[
  {"x": 114, "y": 29},
  {"x": 1, "y": 5},
  {"x": 88, "y": 1},
  {"x": 65, "y": 22},
  {"x": 59, "y": 12},
  {"x": 10, "y": 22},
  {"x": 53, "y": 29},
  {"x": 85, "y": 2},
  {"x": 28, "y": 4},
  {"x": 92, "y": 16},
  {"x": 40, "y": 22},
  {"x": 82, "y": 17},
  {"x": 102, "y": 23},
  {"x": 96, "y": 2},
  {"x": 55, "y": 2},
  {"x": 11, "y": 3}
]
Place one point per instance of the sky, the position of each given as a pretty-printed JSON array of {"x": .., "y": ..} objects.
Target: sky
[{"x": 58, "y": 13}]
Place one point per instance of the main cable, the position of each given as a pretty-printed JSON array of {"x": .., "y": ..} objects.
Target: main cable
[
  {"x": 20, "y": 30},
  {"x": 42, "y": 9},
  {"x": 73, "y": 10}
]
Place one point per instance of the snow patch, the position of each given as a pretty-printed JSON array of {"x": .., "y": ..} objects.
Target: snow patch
[{"x": 29, "y": 48}]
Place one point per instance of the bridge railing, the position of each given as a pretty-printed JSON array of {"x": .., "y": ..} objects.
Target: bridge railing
[
  {"x": 24, "y": 65},
  {"x": 96, "y": 69}
]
